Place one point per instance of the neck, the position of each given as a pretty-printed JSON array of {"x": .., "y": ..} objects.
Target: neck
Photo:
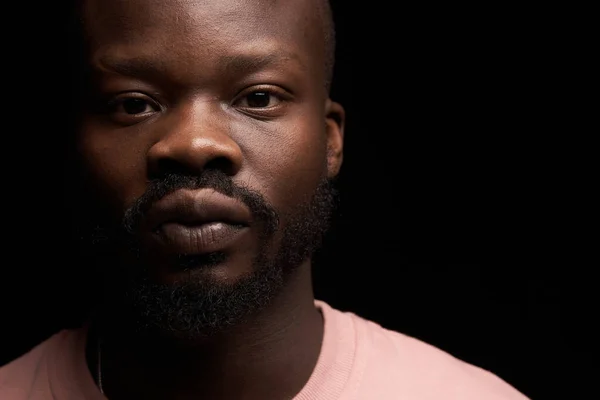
[{"x": 271, "y": 355}]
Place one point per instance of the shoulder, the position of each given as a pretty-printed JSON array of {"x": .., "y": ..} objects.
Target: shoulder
[
  {"x": 395, "y": 363},
  {"x": 18, "y": 377}
]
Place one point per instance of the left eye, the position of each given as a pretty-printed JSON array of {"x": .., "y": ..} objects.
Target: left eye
[{"x": 259, "y": 99}]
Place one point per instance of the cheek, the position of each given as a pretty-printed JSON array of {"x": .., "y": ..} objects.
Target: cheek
[
  {"x": 114, "y": 163},
  {"x": 289, "y": 161}
]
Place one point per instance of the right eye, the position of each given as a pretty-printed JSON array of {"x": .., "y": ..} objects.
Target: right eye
[{"x": 131, "y": 108}]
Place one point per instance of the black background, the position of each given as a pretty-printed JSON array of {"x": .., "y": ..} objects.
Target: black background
[{"x": 455, "y": 224}]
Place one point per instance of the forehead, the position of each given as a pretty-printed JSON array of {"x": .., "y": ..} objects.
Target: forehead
[{"x": 189, "y": 30}]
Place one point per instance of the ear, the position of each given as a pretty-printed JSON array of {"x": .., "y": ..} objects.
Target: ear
[{"x": 335, "y": 119}]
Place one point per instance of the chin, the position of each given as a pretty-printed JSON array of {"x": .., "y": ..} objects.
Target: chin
[
  {"x": 212, "y": 268},
  {"x": 200, "y": 298}
]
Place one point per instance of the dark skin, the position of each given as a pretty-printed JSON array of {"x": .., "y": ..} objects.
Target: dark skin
[{"x": 233, "y": 85}]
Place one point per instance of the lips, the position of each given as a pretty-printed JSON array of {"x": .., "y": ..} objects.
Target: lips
[{"x": 197, "y": 221}]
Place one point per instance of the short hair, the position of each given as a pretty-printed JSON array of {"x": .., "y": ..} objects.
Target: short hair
[
  {"x": 329, "y": 38},
  {"x": 323, "y": 8}
]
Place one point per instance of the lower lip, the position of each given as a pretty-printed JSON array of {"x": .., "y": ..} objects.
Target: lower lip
[{"x": 199, "y": 239}]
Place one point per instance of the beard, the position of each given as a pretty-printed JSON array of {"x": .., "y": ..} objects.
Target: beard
[{"x": 200, "y": 306}]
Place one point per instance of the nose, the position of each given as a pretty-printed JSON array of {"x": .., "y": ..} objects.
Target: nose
[{"x": 195, "y": 138}]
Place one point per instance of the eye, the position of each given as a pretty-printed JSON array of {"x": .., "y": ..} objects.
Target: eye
[
  {"x": 259, "y": 99},
  {"x": 133, "y": 106},
  {"x": 130, "y": 108}
]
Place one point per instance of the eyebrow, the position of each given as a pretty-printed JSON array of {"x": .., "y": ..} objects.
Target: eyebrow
[
  {"x": 239, "y": 63},
  {"x": 233, "y": 64},
  {"x": 130, "y": 66}
]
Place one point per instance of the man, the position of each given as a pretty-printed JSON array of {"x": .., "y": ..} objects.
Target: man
[{"x": 208, "y": 143}]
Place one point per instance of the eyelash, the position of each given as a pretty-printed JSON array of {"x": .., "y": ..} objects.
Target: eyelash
[
  {"x": 273, "y": 90},
  {"x": 110, "y": 105},
  {"x": 282, "y": 95}
]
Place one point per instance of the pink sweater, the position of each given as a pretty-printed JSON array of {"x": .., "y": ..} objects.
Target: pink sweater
[{"x": 359, "y": 360}]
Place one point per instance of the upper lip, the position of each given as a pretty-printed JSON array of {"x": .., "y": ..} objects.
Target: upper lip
[{"x": 197, "y": 207}]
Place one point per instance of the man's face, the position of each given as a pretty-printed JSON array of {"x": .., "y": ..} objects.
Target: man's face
[{"x": 209, "y": 138}]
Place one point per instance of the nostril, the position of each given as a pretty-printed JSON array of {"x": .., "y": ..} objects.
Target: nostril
[
  {"x": 222, "y": 164},
  {"x": 168, "y": 166}
]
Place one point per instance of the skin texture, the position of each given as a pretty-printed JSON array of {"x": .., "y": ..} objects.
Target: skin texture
[{"x": 193, "y": 70}]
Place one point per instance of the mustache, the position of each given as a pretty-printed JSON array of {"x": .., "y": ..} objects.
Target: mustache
[{"x": 262, "y": 211}]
